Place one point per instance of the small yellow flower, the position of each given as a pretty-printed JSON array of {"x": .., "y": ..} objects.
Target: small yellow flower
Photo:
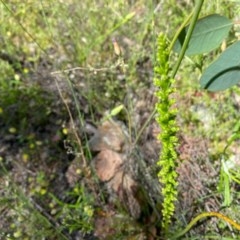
[
  {"x": 25, "y": 157},
  {"x": 25, "y": 70},
  {"x": 43, "y": 191},
  {"x": 16, "y": 77},
  {"x": 65, "y": 131},
  {"x": 88, "y": 210},
  {"x": 31, "y": 145},
  {"x": 12, "y": 130},
  {"x": 17, "y": 234}
]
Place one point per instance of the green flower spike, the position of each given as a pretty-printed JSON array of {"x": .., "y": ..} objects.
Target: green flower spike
[{"x": 166, "y": 118}]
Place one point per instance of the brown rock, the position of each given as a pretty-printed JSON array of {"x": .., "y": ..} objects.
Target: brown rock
[
  {"x": 125, "y": 187},
  {"x": 107, "y": 163},
  {"x": 109, "y": 135}
]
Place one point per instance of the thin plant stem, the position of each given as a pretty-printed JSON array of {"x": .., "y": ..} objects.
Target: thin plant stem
[
  {"x": 204, "y": 215},
  {"x": 180, "y": 30},
  {"x": 72, "y": 122},
  {"x": 188, "y": 36},
  {"x": 194, "y": 16}
]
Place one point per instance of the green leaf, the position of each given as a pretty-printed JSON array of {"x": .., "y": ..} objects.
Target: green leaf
[
  {"x": 116, "y": 110},
  {"x": 208, "y": 34},
  {"x": 224, "y": 72}
]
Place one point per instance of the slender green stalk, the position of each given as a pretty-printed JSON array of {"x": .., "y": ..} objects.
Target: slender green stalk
[
  {"x": 194, "y": 15},
  {"x": 188, "y": 36},
  {"x": 183, "y": 25},
  {"x": 144, "y": 126},
  {"x": 204, "y": 215}
]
